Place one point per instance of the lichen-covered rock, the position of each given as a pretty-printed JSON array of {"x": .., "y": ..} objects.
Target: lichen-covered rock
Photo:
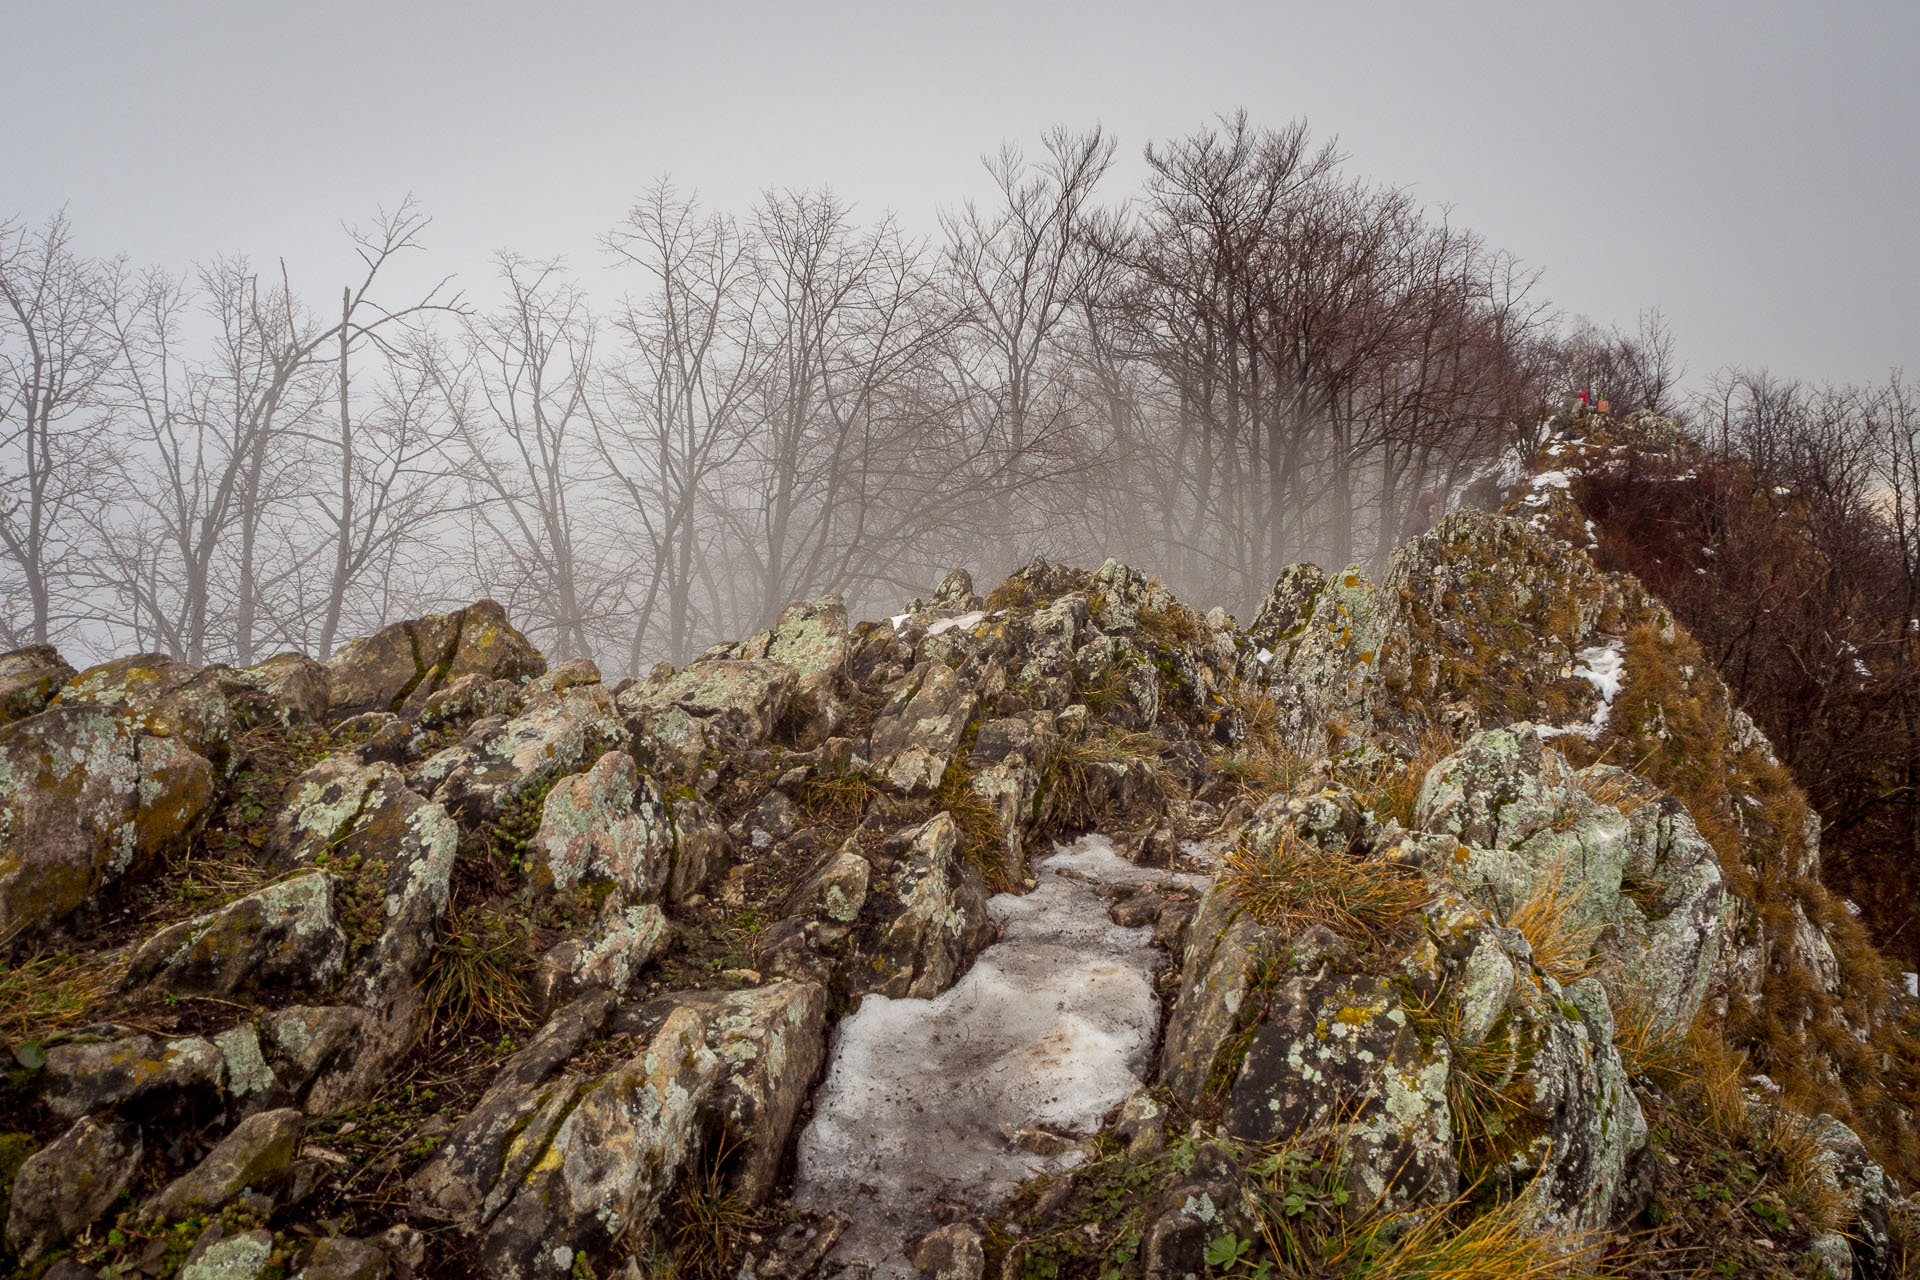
[
  {"x": 477, "y": 778},
  {"x": 475, "y": 696},
  {"x": 302, "y": 688},
  {"x": 322, "y": 807},
  {"x": 1010, "y": 758},
  {"x": 63, "y": 1188},
  {"x": 1864, "y": 1189},
  {"x": 609, "y": 826},
  {"x": 136, "y": 1072},
  {"x": 1576, "y": 1128},
  {"x": 771, "y": 1042},
  {"x": 953, "y": 1252},
  {"x": 1226, "y": 951},
  {"x": 344, "y": 1258},
  {"x": 836, "y": 889},
  {"x": 712, "y": 705},
  {"x": 809, "y": 637},
  {"x": 920, "y": 727},
  {"x": 399, "y": 668},
  {"x": 285, "y": 937},
  {"x": 85, "y": 799},
  {"x": 253, "y": 1156},
  {"x": 602, "y": 1171},
  {"x": 456, "y": 1183},
  {"x": 940, "y": 924},
  {"x": 700, "y": 848},
  {"x": 219, "y": 1256},
  {"x": 610, "y": 954},
  {"x": 1333, "y": 1051},
  {"x": 29, "y": 678},
  {"x": 1647, "y": 888},
  {"x": 400, "y": 848}
]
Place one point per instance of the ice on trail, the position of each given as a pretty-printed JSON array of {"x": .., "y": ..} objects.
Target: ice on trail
[{"x": 1051, "y": 1027}]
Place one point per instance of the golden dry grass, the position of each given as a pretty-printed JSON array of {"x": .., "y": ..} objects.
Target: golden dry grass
[
  {"x": 1791, "y": 1156},
  {"x": 835, "y": 803},
  {"x": 710, "y": 1222},
  {"x": 1391, "y": 789},
  {"x": 1263, "y": 765},
  {"x": 1292, "y": 883},
  {"x": 1307, "y": 1233},
  {"x": 1650, "y": 1046},
  {"x": 982, "y": 838},
  {"x": 1621, "y": 790},
  {"x": 1549, "y": 919},
  {"x": 1485, "y": 1093}
]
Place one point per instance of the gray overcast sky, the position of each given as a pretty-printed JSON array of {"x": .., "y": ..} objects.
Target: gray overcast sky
[{"x": 1751, "y": 167}]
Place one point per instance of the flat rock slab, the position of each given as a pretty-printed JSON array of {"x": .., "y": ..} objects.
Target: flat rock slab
[{"x": 1051, "y": 1028}]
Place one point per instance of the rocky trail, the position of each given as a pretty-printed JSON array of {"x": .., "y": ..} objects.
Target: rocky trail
[{"x": 1452, "y": 924}]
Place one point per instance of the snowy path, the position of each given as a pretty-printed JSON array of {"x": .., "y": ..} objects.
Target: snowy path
[{"x": 1052, "y": 1027}]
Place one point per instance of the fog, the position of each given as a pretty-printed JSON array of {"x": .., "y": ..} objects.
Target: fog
[{"x": 658, "y": 320}]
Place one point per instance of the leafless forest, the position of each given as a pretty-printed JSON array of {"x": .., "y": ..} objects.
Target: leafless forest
[{"x": 1256, "y": 358}]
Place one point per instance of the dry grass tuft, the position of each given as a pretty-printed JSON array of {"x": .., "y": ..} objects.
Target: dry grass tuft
[
  {"x": 1391, "y": 789},
  {"x": 1293, "y": 883},
  {"x": 1718, "y": 1074},
  {"x": 1263, "y": 765},
  {"x": 1616, "y": 788},
  {"x": 49, "y": 992},
  {"x": 1176, "y": 624},
  {"x": 982, "y": 838},
  {"x": 1549, "y": 919},
  {"x": 1788, "y": 1150},
  {"x": 835, "y": 803},
  {"x": 1485, "y": 1093},
  {"x": 476, "y": 973},
  {"x": 1650, "y": 1047},
  {"x": 1079, "y": 784},
  {"x": 1301, "y": 1222},
  {"x": 710, "y": 1222}
]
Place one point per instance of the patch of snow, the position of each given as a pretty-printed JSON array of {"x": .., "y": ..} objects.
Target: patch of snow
[
  {"x": 1263, "y": 657},
  {"x": 899, "y": 618},
  {"x": 1862, "y": 670},
  {"x": 964, "y": 620},
  {"x": 1052, "y": 1027},
  {"x": 1781, "y": 491},
  {"x": 1911, "y": 981},
  {"x": 1551, "y": 480},
  {"x": 1605, "y": 668}
]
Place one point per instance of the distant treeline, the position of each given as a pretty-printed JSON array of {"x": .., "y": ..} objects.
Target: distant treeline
[{"x": 1255, "y": 359}]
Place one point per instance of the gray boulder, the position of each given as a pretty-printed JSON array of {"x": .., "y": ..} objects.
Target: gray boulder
[
  {"x": 254, "y": 1156},
  {"x": 63, "y": 1188},
  {"x": 29, "y": 678},
  {"x": 285, "y": 937},
  {"x": 399, "y": 668}
]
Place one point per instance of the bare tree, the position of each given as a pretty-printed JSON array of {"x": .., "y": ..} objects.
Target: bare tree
[
  {"x": 379, "y": 496},
  {"x": 675, "y": 419},
  {"x": 516, "y": 390},
  {"x": 55, "y": 349}
]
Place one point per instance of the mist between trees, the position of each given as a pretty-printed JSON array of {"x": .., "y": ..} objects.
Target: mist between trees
[{"x": 1256, "y": 358}]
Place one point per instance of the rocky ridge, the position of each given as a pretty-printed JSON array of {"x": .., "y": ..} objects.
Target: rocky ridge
[{"x": 432, "y": 960}]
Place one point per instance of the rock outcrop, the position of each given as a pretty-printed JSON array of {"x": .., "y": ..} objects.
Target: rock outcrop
[{"x": 1445, "y": 930}]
